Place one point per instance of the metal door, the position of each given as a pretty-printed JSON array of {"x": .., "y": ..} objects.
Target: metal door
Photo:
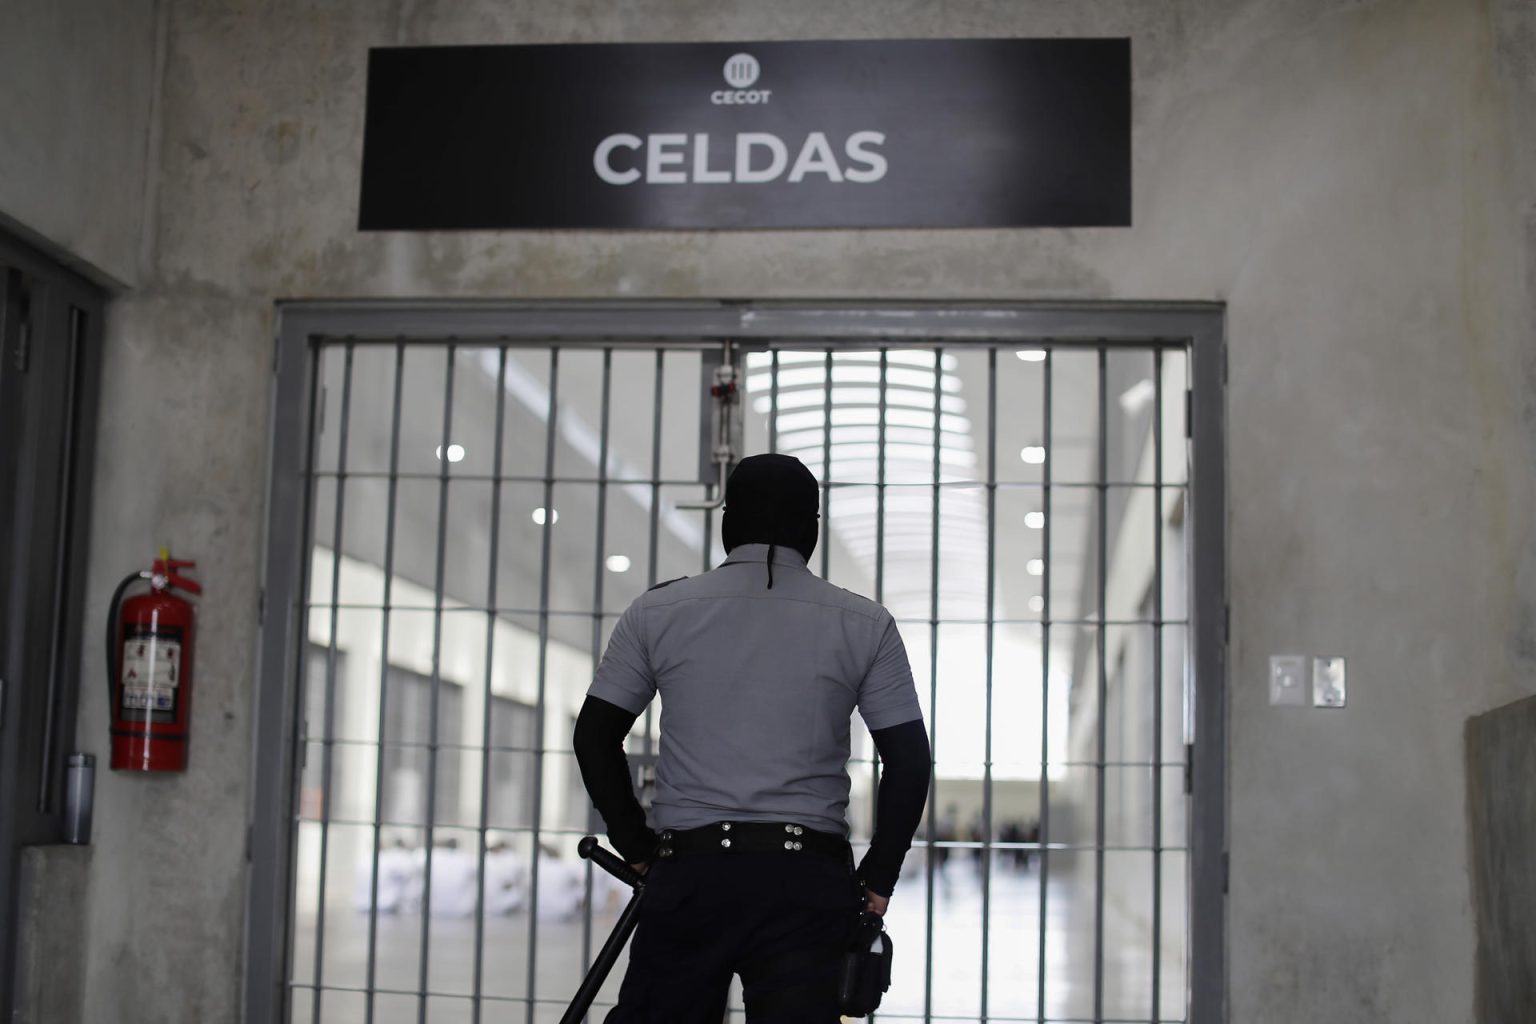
[
  {"x": 463, "y": 503},
  {"x": 50, "y": 342}
]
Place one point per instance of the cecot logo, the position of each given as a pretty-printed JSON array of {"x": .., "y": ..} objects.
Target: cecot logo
[{"x": 741, "y": 71}]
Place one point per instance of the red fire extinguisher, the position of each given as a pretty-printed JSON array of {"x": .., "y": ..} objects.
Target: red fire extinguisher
[{"x": 149, "y": 669}]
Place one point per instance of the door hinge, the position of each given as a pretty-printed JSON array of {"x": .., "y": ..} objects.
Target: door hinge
[
  {"x": 1189, "y": 414},
  {"x": 261, "y": 606},
  {"x": 1226, "y": 872},
  {"x": 1189, "y": 769}
]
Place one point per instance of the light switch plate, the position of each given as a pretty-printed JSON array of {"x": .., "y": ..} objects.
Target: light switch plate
[
  {"x": 1288, "y": 680},
  {"x": 1329, "y": 688}
]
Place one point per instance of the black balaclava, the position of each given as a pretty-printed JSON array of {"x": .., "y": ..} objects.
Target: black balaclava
[{"x": 773, "y": 500}]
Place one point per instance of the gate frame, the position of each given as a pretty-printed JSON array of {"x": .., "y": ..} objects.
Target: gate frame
[{"x": 1200, "y": 325}]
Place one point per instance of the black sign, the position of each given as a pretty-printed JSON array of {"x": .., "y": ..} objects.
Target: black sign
[{"x": 912, "y": 133}]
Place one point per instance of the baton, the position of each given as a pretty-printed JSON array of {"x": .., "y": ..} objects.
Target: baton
[{"x": 609, "y": 954}]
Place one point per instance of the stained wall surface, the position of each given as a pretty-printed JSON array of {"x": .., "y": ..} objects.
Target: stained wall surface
[
  {"x": 1354, "y": 181},
  {"x": 77, "y": 90}
]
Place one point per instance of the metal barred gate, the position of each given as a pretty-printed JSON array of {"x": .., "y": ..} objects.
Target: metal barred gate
[{"x": 463, "y": 500}]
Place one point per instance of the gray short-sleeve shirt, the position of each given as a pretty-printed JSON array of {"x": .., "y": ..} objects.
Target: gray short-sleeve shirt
[{"x": 758, "y": 688}]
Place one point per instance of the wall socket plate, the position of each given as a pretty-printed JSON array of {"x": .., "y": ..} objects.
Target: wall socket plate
[
  {"x": 1329, "y": 686},
  {"x": 1288, "y": 680}
]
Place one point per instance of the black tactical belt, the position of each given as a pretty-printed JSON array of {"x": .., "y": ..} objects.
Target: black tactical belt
[{"x": 726, "y": 837}]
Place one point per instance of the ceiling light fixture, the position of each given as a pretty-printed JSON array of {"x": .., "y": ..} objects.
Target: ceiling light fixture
[
  {"x": 1032, "y": 355},
  {"x": 1034, "y": 520},
  {"x": 1035, "y": 567},
  {"x": 618, "y": 563},
  {"x": 539, "y": 516},
  {"x": 1037, "y": 603},
  {"x": 1033, "y": 454},
  {"x": 455, "y": 453}
]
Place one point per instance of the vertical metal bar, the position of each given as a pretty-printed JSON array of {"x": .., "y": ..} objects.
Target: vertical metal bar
[
  {"x": 826, "y": 472},
  {"x": 597, "y": 605},
  {"x": 773, "y": 404},
  {"x": 647, "y": 743},
  {"x": 486, "y": 705},
  {"x": 717, "y": 415},
  {"x": 283, "y": 637},
  {"x": 1103, "y": 653},
  {"x": 708, "y": 547},
  {"x": 329, "y": 727},
  {"x": 1157, "y": 683},
  {"x": 1208, "y": 618},
  {"x": 538, "y": 763},
  {"x": 874, "y": 755},
  {"x": 1044, "y": 832},
  {"x": 437, "y": 681},
  {"x": 933, "y": 679},
  {"x": 879, "y": 569},
  {"x": 295, "y": 600},
  {"x": 378, "y": 770},
  {"x": 880, "y": 484},
  {"x": 986, "y": 783}
]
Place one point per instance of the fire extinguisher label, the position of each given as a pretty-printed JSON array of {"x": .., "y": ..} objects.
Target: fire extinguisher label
[{"x": 151, "y": 675}]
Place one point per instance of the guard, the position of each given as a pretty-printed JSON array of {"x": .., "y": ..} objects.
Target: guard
[{"x": 760, "y": 665}]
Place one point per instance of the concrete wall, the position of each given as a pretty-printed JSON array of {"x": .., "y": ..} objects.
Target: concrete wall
[
  {"x": 50, "y": 972},
  {"x": 1353, "y": 179},
  {"x": 1501, "y": 761},
  {"x": 78, "y": 81}
]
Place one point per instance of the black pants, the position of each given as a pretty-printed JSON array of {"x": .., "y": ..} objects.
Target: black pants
[{"x": 780, "y": 921}]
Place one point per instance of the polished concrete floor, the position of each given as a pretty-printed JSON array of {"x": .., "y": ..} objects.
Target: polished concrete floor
[{"x": 956, "y": 968}]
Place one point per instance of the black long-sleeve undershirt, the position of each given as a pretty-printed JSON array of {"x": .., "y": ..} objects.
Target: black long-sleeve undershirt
[
  {"x": 906, "y": 762},
  {"x": 601, "y": 728},
  {"x": 599, "y": 744}
]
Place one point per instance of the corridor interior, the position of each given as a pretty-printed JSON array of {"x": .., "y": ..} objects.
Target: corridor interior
[{"x": 480, "y": 515}]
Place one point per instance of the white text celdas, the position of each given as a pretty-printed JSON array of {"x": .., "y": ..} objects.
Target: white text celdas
[{"x": 675, "y": 158}]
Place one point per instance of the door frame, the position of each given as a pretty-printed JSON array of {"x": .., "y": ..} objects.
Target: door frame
[
  {"x": 1200, "y": 325},
  {"x": 49, "y": 393}
]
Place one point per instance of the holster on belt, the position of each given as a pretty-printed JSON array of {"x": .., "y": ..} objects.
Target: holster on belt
[{"x": 866, "y": 972}]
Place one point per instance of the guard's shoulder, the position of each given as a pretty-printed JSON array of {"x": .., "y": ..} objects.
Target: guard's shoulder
[
  {"x": 665, "y": 583},
  {"x": 856, "y": 602}
]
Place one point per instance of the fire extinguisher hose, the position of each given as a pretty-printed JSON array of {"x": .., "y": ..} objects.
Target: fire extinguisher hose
[{"x": 112, "y": 652}]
